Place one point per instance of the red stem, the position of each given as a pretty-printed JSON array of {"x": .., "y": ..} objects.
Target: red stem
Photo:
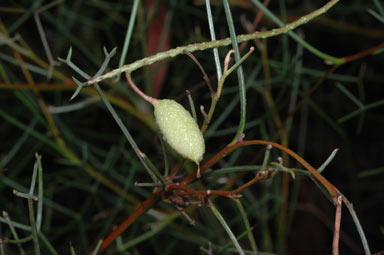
[
  {"x": 228, "y": 149},
  {"x": 127, "y": 222},
  {"x": 336, "y": 234},
  {"x": 363, "y": 53},
  {"x": 202, "y": 193},
  {"x": 147, "y": 98}
]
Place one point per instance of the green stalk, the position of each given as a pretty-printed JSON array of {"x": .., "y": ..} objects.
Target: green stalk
[
  {"x": 128, "y": 35},
  {"x": 35, "y": 236},
  {"x": 240, "y": 73},
  {"x": 358, "y": 225},
  {"x": 227, "y": 229},
  {"x": 145, "y": 236},
  {"x": 215, "y": 97},
  {"x": 40, "y": 194},
  {"x": 47, "y": 243},
  {"x": 326, "y": 162},
  {"x": 219, "y": 43},
  {"x": 13, "y": 231},
  {"x": 303, "y": 20},
  {"x": 247, "y": 226},
  {"x": 213, "y": 37},
  {"x": 153, "y": 172}
]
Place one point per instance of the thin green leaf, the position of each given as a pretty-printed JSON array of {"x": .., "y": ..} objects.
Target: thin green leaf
[
  {"x": 227, "y": 229},
  {"x": 329, "y": 160}
]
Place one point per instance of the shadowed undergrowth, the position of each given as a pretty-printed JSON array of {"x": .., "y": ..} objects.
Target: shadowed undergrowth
[{"x": 83, "y": 167}]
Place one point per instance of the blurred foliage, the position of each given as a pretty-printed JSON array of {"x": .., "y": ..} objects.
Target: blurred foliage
[{"x": 89, "y": 169}]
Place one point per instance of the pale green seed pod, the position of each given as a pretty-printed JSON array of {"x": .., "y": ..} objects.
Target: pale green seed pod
[{"x": 179, "y": 129}]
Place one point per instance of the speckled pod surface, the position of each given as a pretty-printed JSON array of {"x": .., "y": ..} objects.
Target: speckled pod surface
[{"x": 179, "y": 129}]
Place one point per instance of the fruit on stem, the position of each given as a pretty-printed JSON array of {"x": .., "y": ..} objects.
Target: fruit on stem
[{"x": 177, "y": 126}]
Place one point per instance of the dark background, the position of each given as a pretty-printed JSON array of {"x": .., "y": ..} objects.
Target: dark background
[{"x": 90, "y": 132}]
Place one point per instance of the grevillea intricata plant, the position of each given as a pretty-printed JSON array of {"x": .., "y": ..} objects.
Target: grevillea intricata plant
[
  {"x": 181, "y": 131},
  {"x": 217, "y": 172}
]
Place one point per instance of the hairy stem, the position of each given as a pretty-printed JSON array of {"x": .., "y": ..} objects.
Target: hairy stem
[{"x": 219, "y": 43}]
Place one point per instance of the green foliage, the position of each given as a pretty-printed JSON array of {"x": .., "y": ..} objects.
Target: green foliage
[{"x": 80, "y": 151}]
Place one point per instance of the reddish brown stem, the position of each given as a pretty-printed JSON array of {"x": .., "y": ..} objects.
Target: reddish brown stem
[
  {"x": 363, "y": 53},
  {"x": 147, "y": 98},
  {"x": 228, "y": 149},
  {"x": 259, "y": 14},
  {"x": 258, "y": 177},
  {"x": 336, "y": 234},
  {"x": 200, "y": 194},
  {"x": 126, "y": 223}
]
